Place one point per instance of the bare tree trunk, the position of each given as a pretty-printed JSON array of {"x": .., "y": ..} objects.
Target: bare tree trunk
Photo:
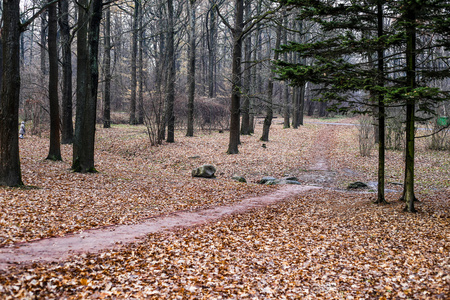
[
  {"x": 107, "y": 70},
  {"x": 66, "y": 121},
  {"x": 82, "y": 89},
  {"x": 301, "y": 104},
  {"x": 408, "y": 189},
  {"x": 55, "y": 143},
  {"x": 381, "y": 110},
  {"x": 299, "y": 99},
  {"x": 323, "y": 109},
  {"x": 191, "y": 70},
  {"x": 43, "y": 43},
  {"x": 295, "y": 104},
  {"x": 287, "y": 111},
  {"x": 269, "y": 104},
  {"x": 134, "y": 51},
  {"x": 236, "y": 78},
  {"x": 245, "y": 124},
  {"x": 87, "y": 48},
  {"x": 171, "y": 75},
  {"x": 286, "y": 108},
  {"x": 160, "y": 67},
  {"x": 311, "y": 108},
  {"x": 10, "y": 174},
  {"x": 141, "y": 67},
  {"x": 212, "y": 50},
  {"x": 255, "y": 82}
]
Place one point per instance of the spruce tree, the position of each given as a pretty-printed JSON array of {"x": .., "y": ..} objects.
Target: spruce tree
[{"x": 361, "y": 61}]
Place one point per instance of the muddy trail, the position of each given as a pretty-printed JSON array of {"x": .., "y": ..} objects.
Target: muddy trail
[
  {"x": 91, "y": 241},
  {"x": 319, "y": 172}
]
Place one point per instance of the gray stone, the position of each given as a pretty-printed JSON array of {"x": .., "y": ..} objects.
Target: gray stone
[
  {"x": 239, "y": 178},
  {"x": 357, "y": 185},
  {"x": 267, "y": 179},
  {"x": 205, "y": 171},
  {"x": 287, "y": 181}
]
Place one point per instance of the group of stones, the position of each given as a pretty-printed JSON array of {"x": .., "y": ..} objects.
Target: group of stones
[{"x": 208, "y": 171}]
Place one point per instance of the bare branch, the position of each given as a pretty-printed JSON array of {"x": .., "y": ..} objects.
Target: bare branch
[{"x": 24, "y": 25}]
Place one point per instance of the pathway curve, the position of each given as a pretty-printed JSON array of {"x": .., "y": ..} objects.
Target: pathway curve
[{"x": 60, "y": 248}]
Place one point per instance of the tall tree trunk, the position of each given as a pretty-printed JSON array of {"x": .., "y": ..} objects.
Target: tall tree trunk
[
  {"x": 299, "y": 103},
  {"x": 87, "y": 49},
  {"x": 311, "y": 108},
  {"x": 107, "y": 70},
  {"x": 323, "y": 109},
  {"x": 269, "y": 105},
  {"x": 134, "y": 50},
  {"x": 381, "y": 110},
  {"x": 245, "y": 123},
  {"x": 161, "y": 117},
  {"x": 408, "y": 188},
  {"x": 212, "y": 50},
  {"x": 43, "y": 52},
  {"x": 286, "y": 108},
  {"x": 191, "y": 70},
  {"x": 79, "y": 163},
  {"x": 66, "y": 121},
  {"x": 141, "y": 67},
  {"x": 295, "y": 105},
  {"x": 55, "y": 138},
  {"x": 255, "y": 81},
  {"x": 10, "y": 174},
  {"x": 171, "y": 75},
  {"x": 236, "y": 78}
]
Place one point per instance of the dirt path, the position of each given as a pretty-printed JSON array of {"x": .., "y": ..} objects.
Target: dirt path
[
  {"x": 319, "y": 172},
  {"x": 58, "y": 249}
]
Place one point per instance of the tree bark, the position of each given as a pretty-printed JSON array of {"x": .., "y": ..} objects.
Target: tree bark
[
  {"x": 171, "y": 75},
  {"x": 43, "y": 52},
  {"x": 134, "y": 50},
  {"x": 286, "y": 108},
  {"x": 191, "y": 70},
  {"x": 323, "y": 109},
  {"x": 212, "y": 50},
  {"x": 269, "y": 105},
  {"x": 79, "y": 163},
  {"x": 141, "y": 67},
  {"x": 236, "y": 78},
  {"x": 87, "y": 49},
  {"x": 10, "y": 174},
  {"x": 287, "y": 111},
  {"x": 301, "y": 104},
  {"x": 381, "y": 110},
  {"x": 107, "y": 70},
  {"x": 161, "y": 117},
  {"x": 66, "y": 121},
  {"x": 245, "y": 123},
  {"x": 408, "y": 188},
  {"x": 295, "y": 105},
  {"x": 55, "y": 138}
]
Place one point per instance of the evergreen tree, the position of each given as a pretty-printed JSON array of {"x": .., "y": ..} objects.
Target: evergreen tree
[{"x": 356, "y": 61}]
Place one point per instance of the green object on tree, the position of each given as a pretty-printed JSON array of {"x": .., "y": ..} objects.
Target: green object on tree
[{"x": 442, "y": 121}]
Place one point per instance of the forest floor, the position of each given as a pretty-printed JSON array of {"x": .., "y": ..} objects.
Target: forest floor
[{"x": 322, "y": 243}]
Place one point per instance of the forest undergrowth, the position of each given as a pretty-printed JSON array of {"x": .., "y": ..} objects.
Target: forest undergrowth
[{"x": 325, "y": 244}]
